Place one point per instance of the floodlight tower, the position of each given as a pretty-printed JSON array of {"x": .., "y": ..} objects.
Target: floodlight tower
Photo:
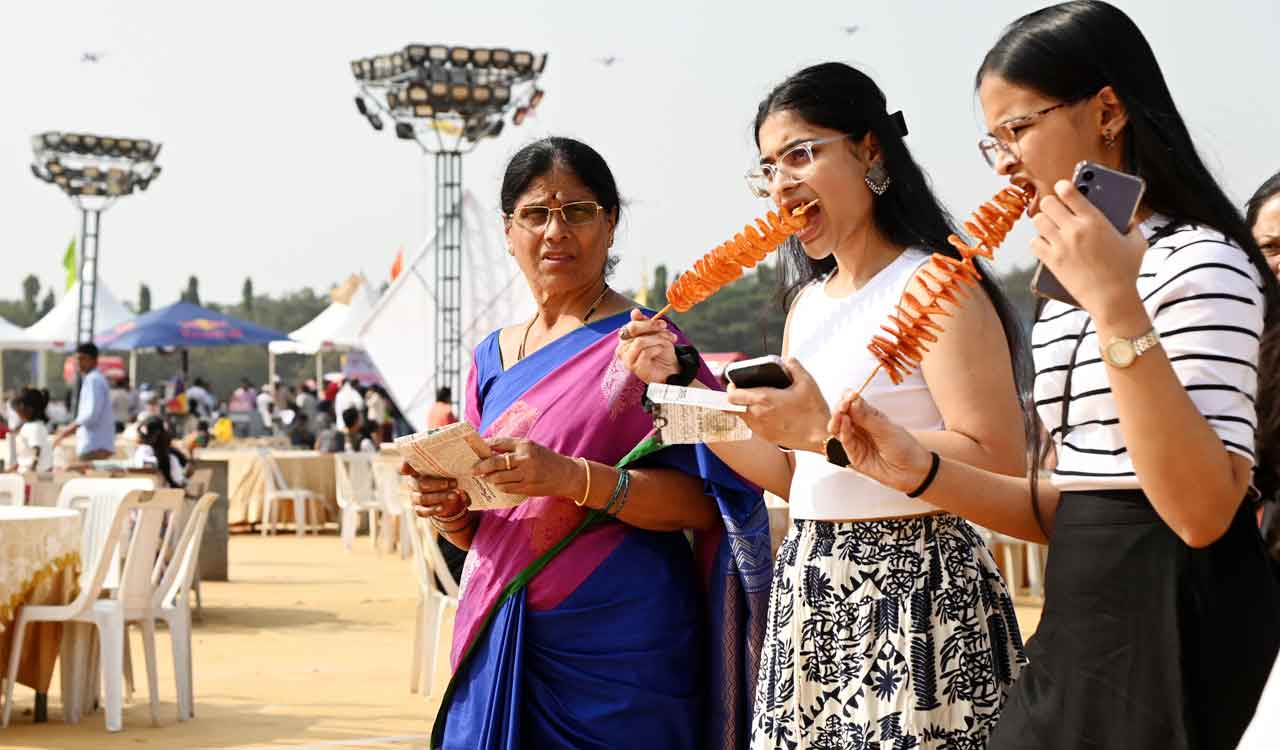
[
  {"x": 447, "y": 99},
  {"x": 95, "y": 171}
]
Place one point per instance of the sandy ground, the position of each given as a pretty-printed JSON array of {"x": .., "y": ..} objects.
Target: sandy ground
[{"x": 306, "y": 647}]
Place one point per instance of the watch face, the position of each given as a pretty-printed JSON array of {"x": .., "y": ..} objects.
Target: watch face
[{"x": 1120, "y": 353}]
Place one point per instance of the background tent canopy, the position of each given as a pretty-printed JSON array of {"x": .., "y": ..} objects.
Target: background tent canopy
[
  {"x": 57, "y": 329},
  {"x": 337, "y": 327},
  {"x": 185, "y": 325}
]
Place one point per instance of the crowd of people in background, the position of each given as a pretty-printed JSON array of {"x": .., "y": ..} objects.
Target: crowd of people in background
[{"x": 340, "y": 414}]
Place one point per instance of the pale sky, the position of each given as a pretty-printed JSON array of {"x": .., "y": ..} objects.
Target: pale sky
[{"x": 270, "y": 172}]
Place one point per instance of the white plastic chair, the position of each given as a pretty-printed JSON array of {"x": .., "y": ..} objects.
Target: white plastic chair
[
  {"x": 278, "y": 491},
  {"x": 97, "y": 500},
  {"x": 172, "y": 603},
  {"x": 136, "y": 592},
  {"x": 13, "y": 490},
  {"x": 356, "y": 495},
  {"x": 197, "y": 487},
  {"x": 428, "y": 565},
  {"x": 394, "y": 502}
]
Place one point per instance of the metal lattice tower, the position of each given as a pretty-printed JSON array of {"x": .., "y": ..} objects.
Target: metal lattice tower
[
  {"x": 448, "y": 99},
  {"x": 448, "y": 200},
  {"x": 90, "y": 219}
]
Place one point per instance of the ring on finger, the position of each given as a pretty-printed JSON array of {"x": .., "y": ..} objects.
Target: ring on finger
[{"x": 506, "y": 457}]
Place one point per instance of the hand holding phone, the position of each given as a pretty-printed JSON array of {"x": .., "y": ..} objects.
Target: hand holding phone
[
  {"x": 1116, "y": 194},
  {"x": 761, "y": 372}
]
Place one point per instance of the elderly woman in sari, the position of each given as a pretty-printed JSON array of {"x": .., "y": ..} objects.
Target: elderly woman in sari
[{"x": 585, "y": 618}]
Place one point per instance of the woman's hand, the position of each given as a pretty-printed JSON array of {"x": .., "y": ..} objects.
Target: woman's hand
[
  {"x": 877, "y": 447},
  {"x": 435, "y": 497},
  {"x": 793, "y": 417},
  {"x": 1095, "y": 263},
  {"x": 522, "y": 467},
  {"x": 648, "y": 348}
]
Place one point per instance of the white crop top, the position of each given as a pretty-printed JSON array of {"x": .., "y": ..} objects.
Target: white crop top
[{"x": 829, "y": 337}]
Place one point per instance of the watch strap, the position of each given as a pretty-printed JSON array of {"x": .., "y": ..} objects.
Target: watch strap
[
  {"x": 835, "y": 452},
  {"x": 1145, "y": 342}
]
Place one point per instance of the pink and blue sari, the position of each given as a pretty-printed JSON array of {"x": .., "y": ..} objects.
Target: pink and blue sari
[{"x": 574, "y": 630}]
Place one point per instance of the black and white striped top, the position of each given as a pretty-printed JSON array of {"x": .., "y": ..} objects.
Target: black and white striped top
[{"x": 1205, "y": 299}]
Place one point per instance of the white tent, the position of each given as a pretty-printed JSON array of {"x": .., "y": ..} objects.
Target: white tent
[
  {"x": 399, "y": 335},
  {"x": 337, "y": 327},
  {"x": 10, "y": 335},
  {"x": 57, "y": 329}
]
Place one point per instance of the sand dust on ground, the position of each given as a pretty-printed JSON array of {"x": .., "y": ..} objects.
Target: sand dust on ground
[{"x": 305, "y": 647}]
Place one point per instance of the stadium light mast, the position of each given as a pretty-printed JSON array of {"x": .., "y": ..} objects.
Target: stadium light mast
[
  {"x": 94, "y": 171},
  {"x": 448, "y": 99}
]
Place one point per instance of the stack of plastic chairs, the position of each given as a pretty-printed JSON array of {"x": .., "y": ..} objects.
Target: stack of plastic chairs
[
  {"x": 356, "y": 495},
  {"x": 146, "y": 512},
  {"x": 171, "y": 602},
  {"x": 429, "y": 566},
  {"x": 394, "y": 501}
]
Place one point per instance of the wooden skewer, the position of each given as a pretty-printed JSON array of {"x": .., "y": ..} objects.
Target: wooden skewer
[{"x": 867, "y": 382}]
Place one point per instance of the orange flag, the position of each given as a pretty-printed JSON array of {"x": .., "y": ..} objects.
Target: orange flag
[{"x": 397, "y": 265}]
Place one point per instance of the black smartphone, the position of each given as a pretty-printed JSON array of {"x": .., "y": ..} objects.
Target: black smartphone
[
  {"x": 761, "y": 372},
  {"x": 1116, "y": 195}
]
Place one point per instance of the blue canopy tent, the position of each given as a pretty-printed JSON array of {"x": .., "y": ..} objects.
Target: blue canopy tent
[{"x": 184, "y": 325}]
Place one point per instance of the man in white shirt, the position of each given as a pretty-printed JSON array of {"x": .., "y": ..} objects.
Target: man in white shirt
[
  {"x": 94, "y": 425},
  {"x": 348, "y": 398},
  {"x": 200, "y": 400}
]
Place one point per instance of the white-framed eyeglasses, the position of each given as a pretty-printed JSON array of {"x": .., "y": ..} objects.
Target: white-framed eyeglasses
[
  {"x": 536, "y": 218},
  {"x": 795, "y": 165}
]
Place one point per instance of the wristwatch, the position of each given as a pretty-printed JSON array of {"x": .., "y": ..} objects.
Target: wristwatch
[
  {"x": 1121, "y": 352},
  {"x": 835, "y": 451}
]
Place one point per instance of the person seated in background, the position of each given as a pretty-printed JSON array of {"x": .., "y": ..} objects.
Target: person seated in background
[
  {"x": 329, "y": 439},
  {"x": 377, "y": 414},
  {"x": 441, "y": 412},
  {"x": 201, "y": 438},
  {"x": 357, "y": 432},
  {"x": 155, "y": 451},
  {"x": 300, "y": 434},
  {"x": 347, "y": 397},
  {"x": 32, "y": 448}
]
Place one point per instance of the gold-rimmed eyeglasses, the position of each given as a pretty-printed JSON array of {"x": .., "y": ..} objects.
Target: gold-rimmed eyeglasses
[
  {"x": 536, "y": 218},
  {"x": 796, "y": 164},
  {"x": 1004, "y": 139}
]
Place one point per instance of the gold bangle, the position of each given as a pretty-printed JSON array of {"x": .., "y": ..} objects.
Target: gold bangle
[{"x": 587, "y": 494}]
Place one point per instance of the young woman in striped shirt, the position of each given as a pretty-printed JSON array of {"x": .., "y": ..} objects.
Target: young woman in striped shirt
[{"x": 1161, "y": 617}]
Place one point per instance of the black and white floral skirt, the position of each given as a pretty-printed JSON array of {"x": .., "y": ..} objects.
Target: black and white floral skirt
[{"x": 894, "y": 634}]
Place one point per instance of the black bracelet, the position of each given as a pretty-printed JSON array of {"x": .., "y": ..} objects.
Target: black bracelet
[
  {"x": 687, "y": 358},
  {"x": 928, "y": 478}
]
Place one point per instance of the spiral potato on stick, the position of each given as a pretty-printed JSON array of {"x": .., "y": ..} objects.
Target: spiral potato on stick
[
  {"x": 913, "y": 324},
  {"x": 725, "y": 263}
]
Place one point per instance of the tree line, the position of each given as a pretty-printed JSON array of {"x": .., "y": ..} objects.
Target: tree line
[{"x": 745, "y": 316}]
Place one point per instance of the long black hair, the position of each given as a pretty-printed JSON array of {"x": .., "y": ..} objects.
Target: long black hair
[
  {"x": 154, "y": 433},
  {"x": 1070, "y": 52},
  {"x": 1265, "y": 192},
  {"x": 540, "y": 157},
  {"x": 842, "y": 98}
]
